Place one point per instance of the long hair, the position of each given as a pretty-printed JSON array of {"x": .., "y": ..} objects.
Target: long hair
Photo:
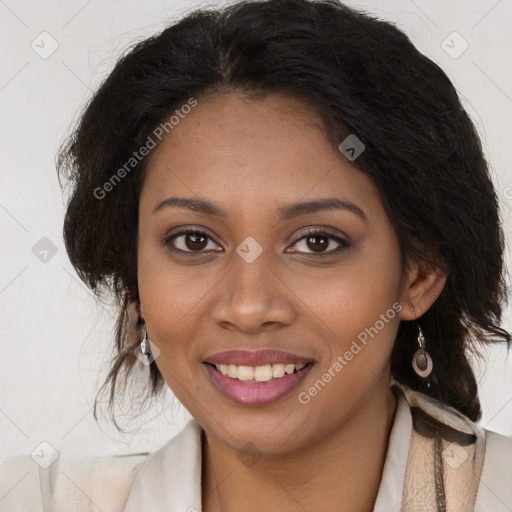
[{"x": 361, "y": 75}]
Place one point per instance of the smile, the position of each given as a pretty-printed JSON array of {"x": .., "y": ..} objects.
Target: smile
[
  {"x": 258, "y": 373},
  {"x": 257, "y": 385}
]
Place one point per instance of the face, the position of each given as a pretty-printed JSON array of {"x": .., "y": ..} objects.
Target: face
[{"x": 242, "y": 271}]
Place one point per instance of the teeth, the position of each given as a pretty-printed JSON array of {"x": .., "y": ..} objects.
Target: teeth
[
  {"x": 258, "y": 373},
  {"x": 288, "y": 368},
  {"x": 277, "y": 370},
  {"x": 232, "y": 370},
  {"x": 263, "y": 373},
  {"x": 245, "y": 373}
]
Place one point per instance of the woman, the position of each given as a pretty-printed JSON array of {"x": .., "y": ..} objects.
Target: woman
[{"x": 294, "y": 213}]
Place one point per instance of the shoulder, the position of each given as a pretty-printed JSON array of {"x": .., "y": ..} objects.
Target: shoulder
[
  {"x": 495, "y": 489},
  {"x": 19, "y": 485},
  {"x": 78, "y": 483},
  {"x": 471, "y": 454},
  {"x": 118, "y": 483},
  {"x": 498, "y": 453},
  {"x": 170, "y": 479},
  {"x": 71, "y": 482}
]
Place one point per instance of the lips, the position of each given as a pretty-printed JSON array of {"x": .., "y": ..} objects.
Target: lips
[
  {"x": 256, "y": 358},
  {"x": 252, "y": 393}
]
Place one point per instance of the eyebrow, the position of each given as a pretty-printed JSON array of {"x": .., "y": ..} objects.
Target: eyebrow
[{"x": 288, "y": 211}]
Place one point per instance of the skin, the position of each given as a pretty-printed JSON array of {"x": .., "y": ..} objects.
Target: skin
[{"x": 252, "y": 157}]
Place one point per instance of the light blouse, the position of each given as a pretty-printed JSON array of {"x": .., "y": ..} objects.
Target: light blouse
[{"x": 437, "y": 460}]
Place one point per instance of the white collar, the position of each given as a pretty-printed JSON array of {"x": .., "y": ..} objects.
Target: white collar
[
  {"x": 390, "y": 492},
  {"x": 170, "y": 480}
]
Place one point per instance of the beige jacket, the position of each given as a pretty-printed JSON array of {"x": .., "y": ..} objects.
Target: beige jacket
[{"x": 437, "y": 460}]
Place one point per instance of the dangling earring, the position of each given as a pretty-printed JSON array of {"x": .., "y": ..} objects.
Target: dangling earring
[
  {"x": 421, "y": 361},
  {"x": 144, "y": 344}
]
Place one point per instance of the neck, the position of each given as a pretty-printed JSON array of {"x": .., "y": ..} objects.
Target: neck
[{"x": 344, "y": 468}]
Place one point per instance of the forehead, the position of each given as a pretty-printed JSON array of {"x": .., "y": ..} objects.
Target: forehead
[{"x": 272, "y": 150}]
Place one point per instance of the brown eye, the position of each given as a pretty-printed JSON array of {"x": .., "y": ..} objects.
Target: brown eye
[
  {"x": 316, "y": 243},
  {"x": 188, "y": 241},
  {"x": 195, "y": 242}
]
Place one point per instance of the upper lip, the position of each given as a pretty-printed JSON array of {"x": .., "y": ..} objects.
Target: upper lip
[{"x": 263, "y": 357}]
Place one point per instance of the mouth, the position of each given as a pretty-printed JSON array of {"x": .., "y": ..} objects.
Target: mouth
[
  {"x": 262, "y": 373},
  {"x": 257, "y": 385}
]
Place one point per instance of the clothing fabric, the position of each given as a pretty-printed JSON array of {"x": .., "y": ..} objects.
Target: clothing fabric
[{"x": 437, "y": 460}]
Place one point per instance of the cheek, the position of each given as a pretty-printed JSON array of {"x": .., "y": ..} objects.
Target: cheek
[
  {"x": 168, "y": 294},
  {"x": 359, "y": 304},
  {"x": 362, "y": 316},
  {"x": 169, "y": 298}
]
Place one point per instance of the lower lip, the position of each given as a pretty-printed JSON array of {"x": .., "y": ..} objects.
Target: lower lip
[{"x": 256, "y": 393}]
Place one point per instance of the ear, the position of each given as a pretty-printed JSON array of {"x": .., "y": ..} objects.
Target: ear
[
  {"x": 423, "y": 283},
  {"x": 135, "y": 311}
]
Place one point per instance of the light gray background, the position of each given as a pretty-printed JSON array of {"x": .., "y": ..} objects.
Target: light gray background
[{"x": 54, "y": 337}]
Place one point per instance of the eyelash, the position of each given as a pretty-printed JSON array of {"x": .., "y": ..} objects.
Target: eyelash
[{"x": 166, "y": 241}]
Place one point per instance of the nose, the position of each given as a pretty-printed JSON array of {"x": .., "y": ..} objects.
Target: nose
[{"x": 252, "y": 298}]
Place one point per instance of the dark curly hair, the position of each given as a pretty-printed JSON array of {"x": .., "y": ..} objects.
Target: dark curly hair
[{"x": 361, "y": 75}]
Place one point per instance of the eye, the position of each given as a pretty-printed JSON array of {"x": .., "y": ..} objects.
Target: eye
[
  {"x": 188, "y": 240},
  {"x": 319, "y": 240}
]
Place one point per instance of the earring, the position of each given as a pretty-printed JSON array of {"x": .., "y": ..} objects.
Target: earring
[
  {"x": 144, "y": 344},
  {"x": 421, "y": 361}
]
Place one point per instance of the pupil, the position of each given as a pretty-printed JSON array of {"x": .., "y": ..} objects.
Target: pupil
[
  {"x": 194, "y": 239},
  {"x": 323, "y": 244}
]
